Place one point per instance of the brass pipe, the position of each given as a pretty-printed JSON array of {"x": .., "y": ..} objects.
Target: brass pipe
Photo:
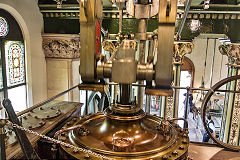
[
  {"x": 185, "y": 121},
  {"x": 66, "y": 129}
]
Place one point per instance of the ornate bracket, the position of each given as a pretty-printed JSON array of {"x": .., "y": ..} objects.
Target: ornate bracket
[
  {"x": 180, "y": 50},
  {"x": 65, "y": 46},
  {"x": 233, "y": 53}
]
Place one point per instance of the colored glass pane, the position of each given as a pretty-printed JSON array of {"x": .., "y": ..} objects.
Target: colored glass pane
[
  {"x": 15, "y": 65},
  {"x": 3, "y": 27}
]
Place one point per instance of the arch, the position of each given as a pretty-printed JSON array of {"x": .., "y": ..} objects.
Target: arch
[
  {"x": 27, "y": 45},
  {"x": 188, "y": 66}
]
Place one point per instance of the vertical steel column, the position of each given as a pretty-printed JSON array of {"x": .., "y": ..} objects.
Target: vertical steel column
[
  {"x": 125, "y": 94},
  {"x": 148, "y": 103},
  {"x": 159, "y": 105},
  {"x": 176, "y": 80},
  {"x": 163, "y": 106},
  {"x": 186, "y": 111},
  {"x": 142, "y": 29},
  {"x": 212, "y": 66}
]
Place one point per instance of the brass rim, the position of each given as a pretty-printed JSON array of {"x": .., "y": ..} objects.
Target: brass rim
[{"x": 130, "y": 154}]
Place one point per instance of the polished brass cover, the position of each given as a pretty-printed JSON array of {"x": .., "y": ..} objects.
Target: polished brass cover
[{"x": 145, "y": 137}]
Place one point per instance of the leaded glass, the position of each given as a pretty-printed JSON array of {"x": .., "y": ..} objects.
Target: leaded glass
[
  {"x": 3, "y": 27},
  {"x": 15, "y": 68}
]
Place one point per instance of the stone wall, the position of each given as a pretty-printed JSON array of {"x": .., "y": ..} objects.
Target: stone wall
[{"x": 27, "y": 14}]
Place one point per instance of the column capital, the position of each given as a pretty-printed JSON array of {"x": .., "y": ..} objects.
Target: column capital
[
  {"x": 233, "y": 52},
  {"x": 61, "y": 46},
  {"x": 180, "y": 50}
]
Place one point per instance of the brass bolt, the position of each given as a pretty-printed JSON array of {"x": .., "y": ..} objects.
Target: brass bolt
[
  {"x": 181, "y": 147},
  {"x": 164, "y": 157},
  {"x": 86, "y": 156},
  {"x": 63, "y": 138},
  {"x": 175, "y": 153},
  {"x": 75, "y": 151},
  {"x": 184, "y": 141}
]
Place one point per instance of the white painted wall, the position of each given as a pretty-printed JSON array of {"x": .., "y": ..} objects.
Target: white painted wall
[
  {"x": 27, "y": 14},
  {"x": 220, "y": 69}
]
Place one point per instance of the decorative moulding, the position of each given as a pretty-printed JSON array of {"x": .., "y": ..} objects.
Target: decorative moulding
[
  {"x": 66, "y": 46},
  {"x": 233, "y": 52}
]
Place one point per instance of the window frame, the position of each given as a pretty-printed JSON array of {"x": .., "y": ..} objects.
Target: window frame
[{"x": 12, "y": 35}]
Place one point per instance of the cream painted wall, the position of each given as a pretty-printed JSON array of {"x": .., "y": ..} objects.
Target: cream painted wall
[
  {"x": 220, "y": 69},
  {"x": 30, "y": 20}
]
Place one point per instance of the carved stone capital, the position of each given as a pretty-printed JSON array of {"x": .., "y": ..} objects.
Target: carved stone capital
[
  {"x": 233, "y": 53},
  {"x": 65, "y": 46},
  {"x": 180, "y": 50}
]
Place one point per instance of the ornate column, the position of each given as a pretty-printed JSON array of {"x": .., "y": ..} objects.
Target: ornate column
[
  {"x": 231, "y": 114},
  {"x": 62, "y": 53},
  {"x": 180, "y": 50}
]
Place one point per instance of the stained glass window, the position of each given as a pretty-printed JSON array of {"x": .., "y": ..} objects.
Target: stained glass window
[
  {"x": 15, "y": 69},
  {"x": 3, "y": 27}
]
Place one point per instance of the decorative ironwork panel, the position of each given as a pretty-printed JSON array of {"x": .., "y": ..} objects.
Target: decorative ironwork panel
[
  {"x": 234, "y": 133},
  {"x": 3, "y": 27},
  {"x": 169, "y": 107},
  {"x": 15, "y": 63}
]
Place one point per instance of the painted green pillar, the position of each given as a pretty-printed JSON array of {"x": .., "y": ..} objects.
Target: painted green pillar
[
  {"x": 230, "y": 125},
  {"x": 180, "y": 50}
]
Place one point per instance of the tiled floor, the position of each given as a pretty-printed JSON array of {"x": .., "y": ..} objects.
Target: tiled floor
[{"x": 195, "y": 128}]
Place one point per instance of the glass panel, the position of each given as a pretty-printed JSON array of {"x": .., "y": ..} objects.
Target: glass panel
[
  {"x": 15, "y": 65},
  {"x": 18, "y": 98},
  {"x": 3, "y": 27}
]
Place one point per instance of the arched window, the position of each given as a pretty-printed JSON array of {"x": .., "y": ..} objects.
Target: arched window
[
  {"x": 189, "y": 66},
  {"x": 12, "y": 67}
]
